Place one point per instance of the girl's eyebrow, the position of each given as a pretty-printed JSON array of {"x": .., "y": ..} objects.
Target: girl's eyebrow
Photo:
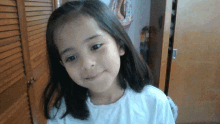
[{"x": 86, "y": 40}]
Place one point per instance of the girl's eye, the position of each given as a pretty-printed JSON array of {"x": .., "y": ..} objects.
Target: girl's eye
[
  {"x": 97, "y": 45},
  {"x": 71, "y": 58}
]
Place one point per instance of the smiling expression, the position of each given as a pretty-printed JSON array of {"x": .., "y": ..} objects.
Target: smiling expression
[{"x": 86, "y": 50}]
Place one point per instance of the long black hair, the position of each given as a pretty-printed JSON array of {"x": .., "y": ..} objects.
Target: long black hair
[{"x": 133, "y": 69}]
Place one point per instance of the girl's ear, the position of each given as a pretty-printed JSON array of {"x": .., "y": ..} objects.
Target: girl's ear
[
  {"x": 121, "y": 52},
  {"x": 61, "y": 63}
]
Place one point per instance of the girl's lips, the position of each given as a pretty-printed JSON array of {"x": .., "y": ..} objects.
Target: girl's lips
[{"x": 94, "y": 78}]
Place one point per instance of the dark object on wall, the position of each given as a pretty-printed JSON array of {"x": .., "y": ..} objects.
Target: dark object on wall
[{"x": 144, "y": 42}]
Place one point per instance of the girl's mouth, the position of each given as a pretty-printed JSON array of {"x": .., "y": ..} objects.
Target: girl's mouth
[{"x": 94, "y": 78}]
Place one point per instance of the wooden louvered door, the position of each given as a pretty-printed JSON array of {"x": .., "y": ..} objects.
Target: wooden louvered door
[
  {"x": 14, "y": 70},
  {"x": 37, "y": 14},
  {"x": 23, "y": 56}
]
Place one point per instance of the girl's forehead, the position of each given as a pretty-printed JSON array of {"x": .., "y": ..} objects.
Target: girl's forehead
[
  {"x": 75, "y": 32},
  {"x": 76, "y": 29}
]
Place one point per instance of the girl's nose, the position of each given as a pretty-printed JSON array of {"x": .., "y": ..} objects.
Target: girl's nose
[{"x": 88, "y": 62}]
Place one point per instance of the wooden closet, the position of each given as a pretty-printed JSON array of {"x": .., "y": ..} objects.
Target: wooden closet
[{"x": 24, "y": 69}]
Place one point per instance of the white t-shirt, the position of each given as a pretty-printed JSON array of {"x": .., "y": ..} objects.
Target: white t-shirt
[{"x": 151, "y": 106}]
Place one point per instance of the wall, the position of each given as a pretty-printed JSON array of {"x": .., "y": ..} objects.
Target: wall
[{"x": 141, "y": 18}]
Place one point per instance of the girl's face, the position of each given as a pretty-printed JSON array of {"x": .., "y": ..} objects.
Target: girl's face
[{"x": 86, "y": 51}]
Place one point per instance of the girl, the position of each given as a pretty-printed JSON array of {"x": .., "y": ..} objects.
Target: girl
[{"x": 96, "y": 71}]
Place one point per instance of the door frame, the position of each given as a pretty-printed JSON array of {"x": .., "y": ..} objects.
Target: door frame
[{"x": 160, "y": 20}]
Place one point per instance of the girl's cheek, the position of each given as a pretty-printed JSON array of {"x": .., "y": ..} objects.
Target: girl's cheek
[
  {"x": 72, "y": 73},
  {"x": 103, "y": 54},
  {"x": 104, "y": 50},
  {"x": 70, "y": 70}
]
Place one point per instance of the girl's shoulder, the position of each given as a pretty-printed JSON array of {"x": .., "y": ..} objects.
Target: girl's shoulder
[
  {"x": 149, "y": 93},
  {"x": 152, "y": 92}
]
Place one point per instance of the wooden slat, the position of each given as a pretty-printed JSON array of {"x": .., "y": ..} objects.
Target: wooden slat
[
  {"x": 10, "y": 70},
  {"x": 9, "y": 33},
  {"x": 8, "y": 21},
  {"x": 10, "y": 46},
  {"x": 10, "y": 52},
  {"x": 39, "y": 59},
  {"x": 28, "y": 121},
  {"x": 10, "y": 77},
  {"x": 38, "y": 13},
  {"x": 42, "y": 78},
  {"x": 37, "y": 8},
  {"x": 33, "y": 18},
  {"x": 38, "y": 40},
  {"x": 10, "y": 58},
  {"x": 24, "y": 118},
  {"x": 37, "y": 45},
  {"x": 39, "y": 62},
  {"x": 9, "y": 27},
  {"x": 8, "y": 9},
  {"x": 36, "y": 36},
  {"x": 8, "y": 2},
  {"x": 47, "y": 1},
  {"x": 42, "y": 42},
  {"x": 38, "y": 85},
  {"x": 34, "y": 32},
  {"x": 40, "y": 88},
  {"x": 37, "y": 22},
  {"x": 10, "y": 100},
  {"x": 6, "y": 86},
  {"x": 36, "y": 27},
  {"x": 38, "y": 51},
  {"x": 9, "y": 40},
  {"x": 40, "y": 69},
  {"x": 36, "y": 4},
  {"x": 17, "y": 110},
  {"x": 10, "y": 64},
  {"x": 42, "y": 118},
  {"x": 8, "y": 15},
  {"x": 19, "y": 118},
  {"x": 21, "y": 113},
  {"x": 14, "y": 106}
]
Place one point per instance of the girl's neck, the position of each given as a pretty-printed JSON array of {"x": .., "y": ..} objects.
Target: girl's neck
[
  {"x": 108, "y": 99},
  {"x": 113, "y": 94}
]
